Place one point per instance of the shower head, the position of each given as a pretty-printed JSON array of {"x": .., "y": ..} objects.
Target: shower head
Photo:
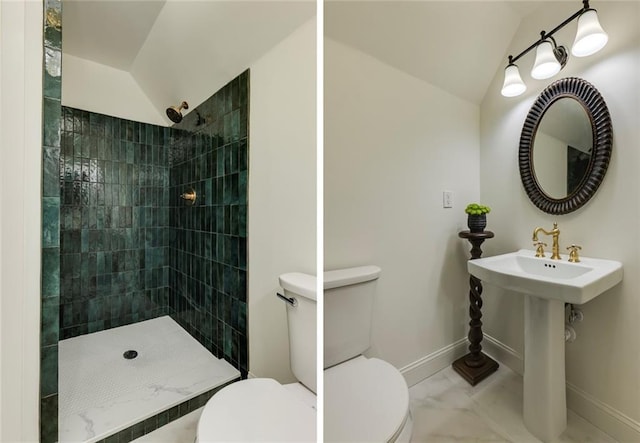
[{"x": 174, "y": 113}]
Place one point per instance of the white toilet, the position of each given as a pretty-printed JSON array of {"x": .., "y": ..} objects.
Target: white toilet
[
  {"x": 261, "y": 409},
  {"x": 365, "y": 399}
]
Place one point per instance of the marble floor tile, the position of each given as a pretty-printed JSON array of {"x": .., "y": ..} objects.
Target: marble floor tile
[
  {"x": 446, "y": 408},
  {"x": 452, "y": 424}
]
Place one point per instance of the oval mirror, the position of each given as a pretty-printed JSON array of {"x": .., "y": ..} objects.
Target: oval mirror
[{"x": 565, "y": 146}]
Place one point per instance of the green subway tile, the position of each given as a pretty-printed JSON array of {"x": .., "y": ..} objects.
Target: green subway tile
[
  {"x": 70, "y": 241},
  {"x": 242, "y": 253},
  {"x": 184, "y": 408},
  {"x": 50, "y": 321},
  {"x": 235, "y": 125},
  {"x": 243, "y": 155},
  {"x": 244, "y": 89},
  {"x": 228, "y": 341},
  {"x": 50, "y": 222},
  {"x": 150, "y": 424},
  {"x": 163, "y": 418},
  {"x": 70, "y": 265},
  {"x": 85, "y": 144},
  {"x": 244, "y": 122},
  {"x": 242, "y": 187},
  {"x": 50, "y": 272},
  {"x": 125, "y": 436},
  {"x": 84, "y": 237},
  {"x": 48, "y": 370},
  {"x": 52, "y": 77},
  {"x": 51, "y": 172},
  {"x": 51, "y": 122},
  {"x": 49, "y": 419},
  {"x": 242, "y": 316},
  {"x": 137, "y": 430},
  {"x": 52, "y": 33},
  {"x": 242, "y": 221},
  {"x": 235, "y": 93}
]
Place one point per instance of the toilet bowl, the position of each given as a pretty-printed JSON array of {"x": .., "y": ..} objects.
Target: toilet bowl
[
  {"x": 262, "y": 409},
  {"x": 259, "y": 409},
  {"x": 365, "y": 399}
]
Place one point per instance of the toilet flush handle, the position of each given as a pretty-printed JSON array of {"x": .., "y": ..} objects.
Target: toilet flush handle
[{"x": 292, "y": 301}]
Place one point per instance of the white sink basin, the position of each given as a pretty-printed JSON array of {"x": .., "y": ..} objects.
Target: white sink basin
[
  {"x": 546, "y": 285},
  {"x": 523, "y": 272}
]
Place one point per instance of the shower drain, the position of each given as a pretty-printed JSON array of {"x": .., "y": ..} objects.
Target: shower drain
[{"x": 131, "y": 354}]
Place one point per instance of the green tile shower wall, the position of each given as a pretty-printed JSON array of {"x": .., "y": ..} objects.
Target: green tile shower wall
[
  {"x": 114, "y": 222},
  {"x": 208, "y": 241},
  {"x": 50, "y": 241}
]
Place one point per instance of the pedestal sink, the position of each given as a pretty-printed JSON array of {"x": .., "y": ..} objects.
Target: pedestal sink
[{"x": 547, "y": 285}]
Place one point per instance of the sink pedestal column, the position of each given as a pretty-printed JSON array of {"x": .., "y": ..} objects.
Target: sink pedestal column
[{"x": 545, "y": 402}]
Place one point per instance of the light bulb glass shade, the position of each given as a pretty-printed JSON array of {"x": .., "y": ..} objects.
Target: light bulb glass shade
[
  {"x": 546, "y": 64},
  {"x": 513, "y": 84},
  {"x": 590, "y": 37}
]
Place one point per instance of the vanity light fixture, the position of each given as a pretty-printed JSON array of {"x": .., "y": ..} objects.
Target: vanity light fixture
[{"x": 551, "y": 58}]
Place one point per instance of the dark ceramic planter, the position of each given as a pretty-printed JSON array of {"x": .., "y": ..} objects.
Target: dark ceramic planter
[{"x": 477, "y": 223}]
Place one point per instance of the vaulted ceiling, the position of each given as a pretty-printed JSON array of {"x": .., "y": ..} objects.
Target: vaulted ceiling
[
  {"x": 171, "y": 47},
  {"x": 455, "y": 45}
]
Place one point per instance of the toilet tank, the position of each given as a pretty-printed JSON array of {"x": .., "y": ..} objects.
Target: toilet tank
[
  {"x": 348, "y": 305},
  {"x": 301, "y": 318}
]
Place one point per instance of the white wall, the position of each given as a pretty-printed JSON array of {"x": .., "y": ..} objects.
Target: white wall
[
  {"x": 552, "y": 153},
  {"x": 195, "y": 47},
  {"x": 392, "y": 144},
  {"x": 282, "y": 191},
  {"x": 20, "y": 185},
  {"x": 99, "y": 88},
  {"x": 604, "y": 363}
]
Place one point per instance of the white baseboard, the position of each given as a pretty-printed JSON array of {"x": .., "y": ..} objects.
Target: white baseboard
[
  {"x": 427, "y": 366},
  {"x": 604, "y": 417},
  {"x": 610, "y": 420},
  {"x": 503, "y": 354}
]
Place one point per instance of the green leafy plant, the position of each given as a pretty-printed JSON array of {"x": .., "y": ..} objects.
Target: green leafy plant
[{"x": 477, "y": 209}]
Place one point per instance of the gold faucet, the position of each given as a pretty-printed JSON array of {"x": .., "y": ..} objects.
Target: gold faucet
[{"x": 554, "y": 233}]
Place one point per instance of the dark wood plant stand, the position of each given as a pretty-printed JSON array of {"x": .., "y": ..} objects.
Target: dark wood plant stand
[{"x": 475, "y": 366}]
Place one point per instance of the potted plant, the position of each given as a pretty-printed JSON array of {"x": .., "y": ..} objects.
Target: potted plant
[{"x": 477, "y": 216}]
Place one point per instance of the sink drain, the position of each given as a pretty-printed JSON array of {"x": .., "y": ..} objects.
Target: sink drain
[{"x": 131, "y": 354}]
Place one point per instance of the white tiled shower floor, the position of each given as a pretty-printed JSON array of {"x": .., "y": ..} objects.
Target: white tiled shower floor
[{"x": 101, "y": 392}]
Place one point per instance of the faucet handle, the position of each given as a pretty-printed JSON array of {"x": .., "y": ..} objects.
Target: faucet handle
[
  {"x": 540, "y": 248},
  {"x": 573, "y": 253}
]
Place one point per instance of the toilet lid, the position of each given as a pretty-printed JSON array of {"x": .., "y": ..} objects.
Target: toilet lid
[
  {"x": 365, "y": 400},
  {"x": 257, "y": 409}
]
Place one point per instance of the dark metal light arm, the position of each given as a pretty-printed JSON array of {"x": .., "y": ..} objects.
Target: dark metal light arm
[{"x": 544, "y": 35}]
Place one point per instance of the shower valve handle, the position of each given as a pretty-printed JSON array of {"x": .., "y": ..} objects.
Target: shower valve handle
[{"x": 189, "y": 196}]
